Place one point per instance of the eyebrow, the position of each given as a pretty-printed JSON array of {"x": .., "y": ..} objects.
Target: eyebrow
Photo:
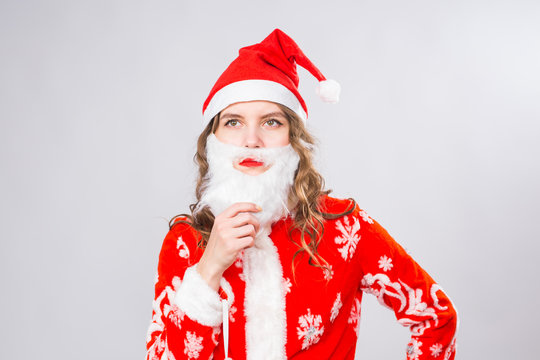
[{"x": 272, "y": 114}]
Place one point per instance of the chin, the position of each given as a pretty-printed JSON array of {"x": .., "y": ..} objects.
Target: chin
[{"x": 252, "y": 171}]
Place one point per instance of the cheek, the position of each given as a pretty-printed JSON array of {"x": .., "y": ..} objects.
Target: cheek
[
  {"x": 228, "y": 137},
  {"x": 279, "y": 139}
]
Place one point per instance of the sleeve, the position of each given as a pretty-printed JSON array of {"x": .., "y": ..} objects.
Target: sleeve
[
  {"x": 399, "y": 283},
  {"x": 186, "y": 316}
]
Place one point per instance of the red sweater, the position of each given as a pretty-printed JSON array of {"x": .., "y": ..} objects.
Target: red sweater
[{"x": 313, "y": 314}]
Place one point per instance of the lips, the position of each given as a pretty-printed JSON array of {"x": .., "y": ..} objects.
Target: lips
[{"x": 249, "y": 162}]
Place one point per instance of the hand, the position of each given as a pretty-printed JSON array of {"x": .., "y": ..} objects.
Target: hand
[{"x": 233, "y": 231}]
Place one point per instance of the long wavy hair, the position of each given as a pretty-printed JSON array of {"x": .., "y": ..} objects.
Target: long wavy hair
[{"x": 306, "y": 193}]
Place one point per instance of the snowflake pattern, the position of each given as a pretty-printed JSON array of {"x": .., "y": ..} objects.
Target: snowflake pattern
[
  {"x": 419, "y": 308},
  {"x": 349, "y": 237},
  {"x": 328, "y": 273},
  {"x": 309, "y": 329},
  {"x": 450, "y": 349},
  {"x": 183, "y": 250},
  {"x": 193, "y": 345},
  {"x": 176, "y": 315},
  {"x": 366, "y": 217},
  {"x": 161, "y": 308},
  {"x": 385, "y": 263},
  {"x": 354, "y": 316},
  {"x": 417, "y": 314},
  {"x": 286, "y": 284},
  {"x": 413, "y": 349},
  {"x": 382, "y": 287},
  {"x": 239, "y": 262},
  {"x": 232, "y": 311},
  {"x": 157, "y": 348},
  {"x": 216, "y": 331},
  {"x": 436, "y": 350},
  {"x": 336, "y": 307}
]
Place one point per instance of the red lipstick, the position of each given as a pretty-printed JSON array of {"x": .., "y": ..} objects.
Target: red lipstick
[{"x": 249, "y": 162}]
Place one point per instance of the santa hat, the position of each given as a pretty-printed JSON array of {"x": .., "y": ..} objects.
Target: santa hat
[{"x": 267, "y": 71}]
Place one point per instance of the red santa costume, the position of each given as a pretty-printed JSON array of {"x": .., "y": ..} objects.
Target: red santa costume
[{"x": 264, "y": 309}]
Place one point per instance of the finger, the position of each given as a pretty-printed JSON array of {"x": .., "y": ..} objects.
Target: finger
[
  {"x": 241, "y": 207},
  {"x": 243, "y": 219},
  {"x": 246, "y": 242},
  {"x": 243, "y": 231}
]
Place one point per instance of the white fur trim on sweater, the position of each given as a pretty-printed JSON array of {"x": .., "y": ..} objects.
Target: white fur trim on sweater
[
  {"x": 198, "y": 300},
  {"x": 266, "y": 321},
  {"x": 250, "y": 90}
]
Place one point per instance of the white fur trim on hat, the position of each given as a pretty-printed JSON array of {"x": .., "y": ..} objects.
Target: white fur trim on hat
[{"x": 251, "y": 90}]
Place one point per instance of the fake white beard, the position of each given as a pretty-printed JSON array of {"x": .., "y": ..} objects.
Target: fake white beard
[{"x": 226, "y": 185}]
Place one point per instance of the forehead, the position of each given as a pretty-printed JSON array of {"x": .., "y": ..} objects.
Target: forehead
[{"x": 252, "y": 108}]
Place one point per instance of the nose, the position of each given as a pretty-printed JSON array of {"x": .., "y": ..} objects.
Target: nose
[{"x": 253, "y": 138}]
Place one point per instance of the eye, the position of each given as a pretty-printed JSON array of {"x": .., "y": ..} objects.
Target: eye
[
  {"x": 232, "y": 122},
  {"x": 274, "y": 123}
]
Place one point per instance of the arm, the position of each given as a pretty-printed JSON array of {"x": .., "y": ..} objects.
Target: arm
[
  {"x": 399, "y": 283},
  {"x": 186, "y": 316}
]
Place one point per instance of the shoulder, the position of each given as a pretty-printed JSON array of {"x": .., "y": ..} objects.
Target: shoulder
[
  {"x": 333, "y": 207},
  {"x": 181, "y": 226},
  {"x": 347, "y": 210},
  {"x": 181, "y": 238},
  {"x": 179, "y": 250}
]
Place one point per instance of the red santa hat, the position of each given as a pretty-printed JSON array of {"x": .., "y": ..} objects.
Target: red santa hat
[{"x": 267, "y": 71}]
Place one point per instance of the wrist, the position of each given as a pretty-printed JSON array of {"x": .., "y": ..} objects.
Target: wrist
[{"x": 209, "y": 274}]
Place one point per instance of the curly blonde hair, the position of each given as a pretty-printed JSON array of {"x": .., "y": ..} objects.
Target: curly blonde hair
[{"x": 306, "y": 192}]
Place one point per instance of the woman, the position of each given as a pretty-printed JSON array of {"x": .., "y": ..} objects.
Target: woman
[{"x": 267, "y": 265}]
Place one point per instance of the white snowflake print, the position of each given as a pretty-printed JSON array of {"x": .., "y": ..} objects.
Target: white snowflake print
[
  {"x": 366, "y": 217},
  {"x": 349, "y": 237},
  {"x": 436, "y": 350},
  {"x": 413, "y": 349},
  {"x": 354, "y": 316},
  {"x": 156, "y": 350},
  {"x": 328, "y": 273},
  {"x": 232, "y": 311},
  {"x": 335, "y": 308},
  {"x": 382, "y": 287},
  {"x": 193, "y": 345},
  {"x": 418, "y": 308},
  {"x": 239, "y": 262},
  {"x": 286, "y": 284},
  {"x": 183, "y": 250},
  {"x": 161, "y": 308},
  {"x": 450, "y": 349},
  {"x": 310, "y": 329},
  {"x": 216, "y": 331},
  {"x": 176, "y": 315},
  {"x": 385, "y": 263}
]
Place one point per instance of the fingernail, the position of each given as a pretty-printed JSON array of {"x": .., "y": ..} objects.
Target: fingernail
[{"x": 259, "y": 208}]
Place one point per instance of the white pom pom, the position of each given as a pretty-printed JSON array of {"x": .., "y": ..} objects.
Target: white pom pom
[{"x": 328, "y": 91}]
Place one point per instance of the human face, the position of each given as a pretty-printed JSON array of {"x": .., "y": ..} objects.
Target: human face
[{"x": 253, "y": 124}]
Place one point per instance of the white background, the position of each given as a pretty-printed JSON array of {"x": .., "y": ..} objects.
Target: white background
[{"x": 436, "y": 136}]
